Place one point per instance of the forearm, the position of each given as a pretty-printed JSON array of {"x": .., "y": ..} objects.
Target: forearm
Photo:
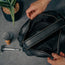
[{"x": 45, "y": 1}]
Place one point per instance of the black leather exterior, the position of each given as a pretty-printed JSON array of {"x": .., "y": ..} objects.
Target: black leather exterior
[{"x": 43, "y": 35}]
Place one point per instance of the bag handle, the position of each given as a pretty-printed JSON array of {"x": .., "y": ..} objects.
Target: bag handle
[
  {"x": 26, "y": 26},
  {"x": 43, "y": 34}
]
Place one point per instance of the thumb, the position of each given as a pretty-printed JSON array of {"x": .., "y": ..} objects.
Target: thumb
[{"x": 56, "y": 56}]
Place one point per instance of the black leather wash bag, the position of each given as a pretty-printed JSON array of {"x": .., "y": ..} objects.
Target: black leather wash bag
[{"x": 43, "y": 35}]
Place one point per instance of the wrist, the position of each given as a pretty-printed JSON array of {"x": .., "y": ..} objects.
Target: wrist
[{"x": 45, "y": 1}]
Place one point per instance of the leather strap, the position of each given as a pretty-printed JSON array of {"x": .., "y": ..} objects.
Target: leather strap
[{"x": 43, "y": 34}]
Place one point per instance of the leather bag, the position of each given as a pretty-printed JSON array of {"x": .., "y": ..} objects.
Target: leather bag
[{"x": 43, "y": 35}]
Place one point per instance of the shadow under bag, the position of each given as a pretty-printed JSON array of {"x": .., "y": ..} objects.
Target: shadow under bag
[{"x": 43, "y": 35}]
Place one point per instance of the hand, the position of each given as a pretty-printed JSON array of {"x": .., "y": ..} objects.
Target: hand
[
  {"x": 37, "y": 8},
  {"x": 58, "y": 59}
]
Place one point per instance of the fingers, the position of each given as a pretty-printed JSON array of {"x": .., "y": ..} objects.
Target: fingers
[
  {"x": 50, "y": 61},
  {"x": 56, "y": 56},
  {"x": 62, "y": 54},
  {"x": 30, "y": 11},
  {"x": 33, "y": 11},
  {"x": 30, "y": 8}
]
